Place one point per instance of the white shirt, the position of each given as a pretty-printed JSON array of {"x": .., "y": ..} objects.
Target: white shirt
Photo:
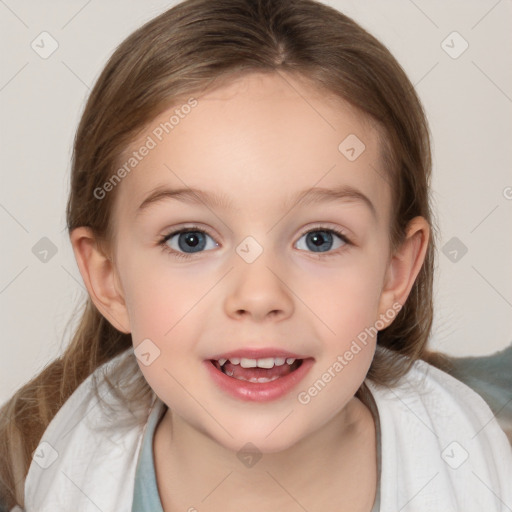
[{"x": 442, "y": 449}]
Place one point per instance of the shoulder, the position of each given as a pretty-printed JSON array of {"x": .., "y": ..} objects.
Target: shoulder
[
  {"x": 491, "y": 377},
  {"x": 88, "y": 452},
  {"x": 447, "y": 400},
  {"x": 432, "y": 389},
  {"x": 438, "y": 433}
]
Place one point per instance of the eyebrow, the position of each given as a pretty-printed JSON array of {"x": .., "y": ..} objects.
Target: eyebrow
[{"x": 221, "y": 201}]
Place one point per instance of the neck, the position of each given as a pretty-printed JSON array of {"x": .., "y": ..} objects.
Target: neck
[{"x": 193, "y": 470}]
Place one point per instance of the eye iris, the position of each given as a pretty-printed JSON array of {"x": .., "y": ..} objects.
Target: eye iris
[
  {"x": 191, "y": 240},
  {"x": 316, "y": 241}
]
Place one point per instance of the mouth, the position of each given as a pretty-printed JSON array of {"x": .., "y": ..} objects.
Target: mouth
[
  {"x": 257, "y": 370},
  {"x": 258, "y": 380}
]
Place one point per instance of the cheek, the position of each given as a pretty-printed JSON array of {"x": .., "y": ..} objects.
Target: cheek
[
  {"x": 347, "y": 306},
  {"x": 345, "y": 298},
  {"x": 159, "y": 294}
]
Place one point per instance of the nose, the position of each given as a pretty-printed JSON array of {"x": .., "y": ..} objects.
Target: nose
[{"x": 258, "y": 291}]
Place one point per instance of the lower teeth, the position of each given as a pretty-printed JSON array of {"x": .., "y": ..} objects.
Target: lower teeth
[{"x": 260, "y": 380}]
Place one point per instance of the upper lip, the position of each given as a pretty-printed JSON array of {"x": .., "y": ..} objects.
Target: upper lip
[{"x": 258, "y": 353}]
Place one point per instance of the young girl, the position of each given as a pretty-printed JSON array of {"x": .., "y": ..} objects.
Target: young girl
[{"x": 249, "y": 211}]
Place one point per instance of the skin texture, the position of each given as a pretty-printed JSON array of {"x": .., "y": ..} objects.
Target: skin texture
[{"x": 259, "y": 141}]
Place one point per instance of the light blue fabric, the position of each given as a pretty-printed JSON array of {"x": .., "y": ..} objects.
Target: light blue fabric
[
  {"x": 145, "y": 494},
  {"x": 370, "y": 403}
]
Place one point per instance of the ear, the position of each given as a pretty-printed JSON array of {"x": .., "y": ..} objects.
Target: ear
[
  {"x": 403, "y": 268},
  {"x": 99, "y": 275}
]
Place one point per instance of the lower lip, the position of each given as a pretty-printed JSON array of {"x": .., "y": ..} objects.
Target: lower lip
[{"x": 259, "y": 391}]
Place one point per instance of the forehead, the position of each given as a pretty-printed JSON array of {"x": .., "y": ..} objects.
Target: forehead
[{"x": 258, "y": 135}]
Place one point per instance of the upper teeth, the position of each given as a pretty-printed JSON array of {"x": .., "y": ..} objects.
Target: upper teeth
[{"x": 267, "y": 362}]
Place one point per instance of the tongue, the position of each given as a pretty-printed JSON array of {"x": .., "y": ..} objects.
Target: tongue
[{"x": 248, "y": 373}]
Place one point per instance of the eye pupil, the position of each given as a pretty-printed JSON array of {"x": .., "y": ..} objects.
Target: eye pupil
[{"x": 192, "y": 240}]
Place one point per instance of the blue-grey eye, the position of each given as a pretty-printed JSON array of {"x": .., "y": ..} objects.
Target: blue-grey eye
[
  {"x": 190, "y": 241},
  {"x": 321, "y": 240}
]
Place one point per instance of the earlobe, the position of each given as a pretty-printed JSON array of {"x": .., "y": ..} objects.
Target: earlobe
[
  {"x": 98, "y": 273},
  {"x": 405, "y": 265}
]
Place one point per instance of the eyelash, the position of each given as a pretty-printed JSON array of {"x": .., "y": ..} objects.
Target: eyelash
[{"x": 184, "y": 256}]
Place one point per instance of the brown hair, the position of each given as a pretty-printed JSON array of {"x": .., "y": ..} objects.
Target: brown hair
[{"x": 190, "y": 48}]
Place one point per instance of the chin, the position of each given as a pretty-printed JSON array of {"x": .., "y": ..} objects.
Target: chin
[{"x": 250, "y": 436}]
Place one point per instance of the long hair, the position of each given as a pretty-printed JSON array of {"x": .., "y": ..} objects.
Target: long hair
[{"x": 191, "y": 48}]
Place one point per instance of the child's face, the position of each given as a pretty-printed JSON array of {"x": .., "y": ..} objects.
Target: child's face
[{"x": 258, "y": 143}]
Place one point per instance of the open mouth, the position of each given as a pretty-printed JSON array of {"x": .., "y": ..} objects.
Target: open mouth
[{"x": 257, "y": 371}]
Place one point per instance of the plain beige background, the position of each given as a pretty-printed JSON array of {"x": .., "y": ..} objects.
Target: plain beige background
[{"x": 467, "y": 96}]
